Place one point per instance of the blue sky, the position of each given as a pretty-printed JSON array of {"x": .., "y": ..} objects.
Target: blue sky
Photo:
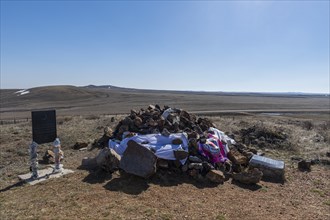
[{"x": 256, "y": 46}]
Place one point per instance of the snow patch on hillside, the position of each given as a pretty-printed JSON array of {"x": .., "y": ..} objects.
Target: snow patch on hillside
[{"x": 22, "y": 92}]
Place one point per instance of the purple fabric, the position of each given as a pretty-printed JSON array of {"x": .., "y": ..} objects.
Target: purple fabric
[{"x": 213, "y": 149}]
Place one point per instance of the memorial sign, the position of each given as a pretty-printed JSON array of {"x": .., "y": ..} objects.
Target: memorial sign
[{"x": 44, "y": 126}]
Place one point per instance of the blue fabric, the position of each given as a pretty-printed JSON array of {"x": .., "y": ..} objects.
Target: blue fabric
[{"x": 161, "y": 145}]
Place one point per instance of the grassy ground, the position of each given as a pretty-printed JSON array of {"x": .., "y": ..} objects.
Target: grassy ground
[{"x": 98, "y": 195}]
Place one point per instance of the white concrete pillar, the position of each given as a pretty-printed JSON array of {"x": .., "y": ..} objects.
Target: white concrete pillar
[
  {"x": 57, "y": 148},
  {"x": 34, "y": 159}
]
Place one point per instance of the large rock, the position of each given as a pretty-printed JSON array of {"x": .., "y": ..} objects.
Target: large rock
[
  {"x": 133, "y": 112},
  {"x": 215, "y": 176},
  {"x": 180, "y": 154},
  {"x": 151, "y": 122},
  {"x": 185, "y": 114},
  {"x": 237, "y": 158},
  {"x": 49, "y": 156},
  {"x": 108, "y": 160},
  {"x": 108, "y": 131},
  {"x": 79, "y": 145},
  {"x": 196, "y": 166},
  {"x": 304, "y": 165},
  {"x": 161, "y": 163},
  {"x": 89, "y": 163},
  {"x": 248, "y": 177},
  {"x": 151, "y": 107},
  {"x": 103, "y": 141},
  {"x": 205, "y": 123},
  {"x": 138, "y": 160}
]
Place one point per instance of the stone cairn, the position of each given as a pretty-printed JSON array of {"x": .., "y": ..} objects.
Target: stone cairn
[
  {"x": 168, "y": 120},
  {"x": 156, "y": 120}
]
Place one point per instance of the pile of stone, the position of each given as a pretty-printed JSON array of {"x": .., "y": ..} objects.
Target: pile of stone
[
  {"x": 167, "y": 120},
  {"x": 154, "y": 120}
]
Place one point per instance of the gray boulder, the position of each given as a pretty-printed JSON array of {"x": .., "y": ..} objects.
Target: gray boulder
[
  {"x": 108, "y": 160},
  {"x": 138, "y": 160}
]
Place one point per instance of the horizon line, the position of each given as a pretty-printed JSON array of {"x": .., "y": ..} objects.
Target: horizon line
[{"x": 176, "y": 90}]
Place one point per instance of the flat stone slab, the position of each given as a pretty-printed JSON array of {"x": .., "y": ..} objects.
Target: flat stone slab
[{"x": 44, "y": 174}]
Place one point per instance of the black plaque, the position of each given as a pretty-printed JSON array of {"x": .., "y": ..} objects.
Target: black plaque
[{"x": 44, "y": 126}]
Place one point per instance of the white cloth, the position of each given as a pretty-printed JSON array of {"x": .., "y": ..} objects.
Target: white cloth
[
  {"x": 223, "y": 137},
  {"x": 161, "y": 145},
  {"x": 167, "y": 112}
]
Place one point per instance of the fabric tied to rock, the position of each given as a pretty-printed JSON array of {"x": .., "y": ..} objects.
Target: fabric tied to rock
[{"x": 216, "y": 146}]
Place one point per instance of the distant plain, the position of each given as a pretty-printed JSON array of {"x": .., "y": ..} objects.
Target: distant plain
[{"x": 71, "y": 100}]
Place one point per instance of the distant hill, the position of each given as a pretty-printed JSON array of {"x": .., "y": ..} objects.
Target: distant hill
[
  {"x": 206, "y": 92},
  {"x": 47, "y": 93},
  {"x": 108, "y": 99}
]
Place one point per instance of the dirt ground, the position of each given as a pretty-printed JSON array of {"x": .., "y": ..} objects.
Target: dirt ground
[{"x": 168, "y": 195}]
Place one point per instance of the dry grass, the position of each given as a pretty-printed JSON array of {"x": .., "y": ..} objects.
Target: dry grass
[{"x": 97, "y": 195}]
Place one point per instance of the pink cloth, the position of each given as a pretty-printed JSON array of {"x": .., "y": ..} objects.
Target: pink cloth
[{"x": 213, "y": 149}]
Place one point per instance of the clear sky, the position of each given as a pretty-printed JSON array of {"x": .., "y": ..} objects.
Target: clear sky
[{"x": 256, "y": 46}]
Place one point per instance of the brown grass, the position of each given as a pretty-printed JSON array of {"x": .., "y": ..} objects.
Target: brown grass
[{"x": 97, "y": 195}]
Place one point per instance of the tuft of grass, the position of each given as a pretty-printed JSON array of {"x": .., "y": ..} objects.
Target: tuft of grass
[
  {"x": 166, "y": 216},
  {"x": 325, "y": 125},
  {"x": 106, "y": 214},
  {"x": 327, "y": 202},
  {"x": 22, "y": 152},
  {"x": 92, "y": 117},
  {"x": 220, "y": 217},
  {"x": 264, "y": 189},
  {"x": 61, "y": 121},
  {"x": 318, "y": 191},
  {"x": 317, "y": 182},
  {"x": 308, "y": 125},
  {"x": 149, "y": 212}
]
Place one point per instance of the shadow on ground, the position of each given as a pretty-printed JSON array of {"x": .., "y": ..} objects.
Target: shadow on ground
[
  {"x": 251, "y": 187},
  {"x": 20, "y": 183},
  {"x": 134, "y": 185},
  {"x": 97, "y": 176},
  {"x": 128, "y": 184},
  {"x": 167, "y": 179},
  {"x": 121, "y": 181}
]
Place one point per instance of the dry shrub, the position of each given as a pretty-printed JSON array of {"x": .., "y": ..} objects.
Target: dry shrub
[
  {"x": 22, "y": 152},
  {"x": 266, "y": 137},
  {"x": 308, "y": 125},
  {"x": 92, "y": 117},
  {"x": 325, "y": 125},
  {"x": 61, "y": 121},
  {"x": 323, "y": 129}
]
